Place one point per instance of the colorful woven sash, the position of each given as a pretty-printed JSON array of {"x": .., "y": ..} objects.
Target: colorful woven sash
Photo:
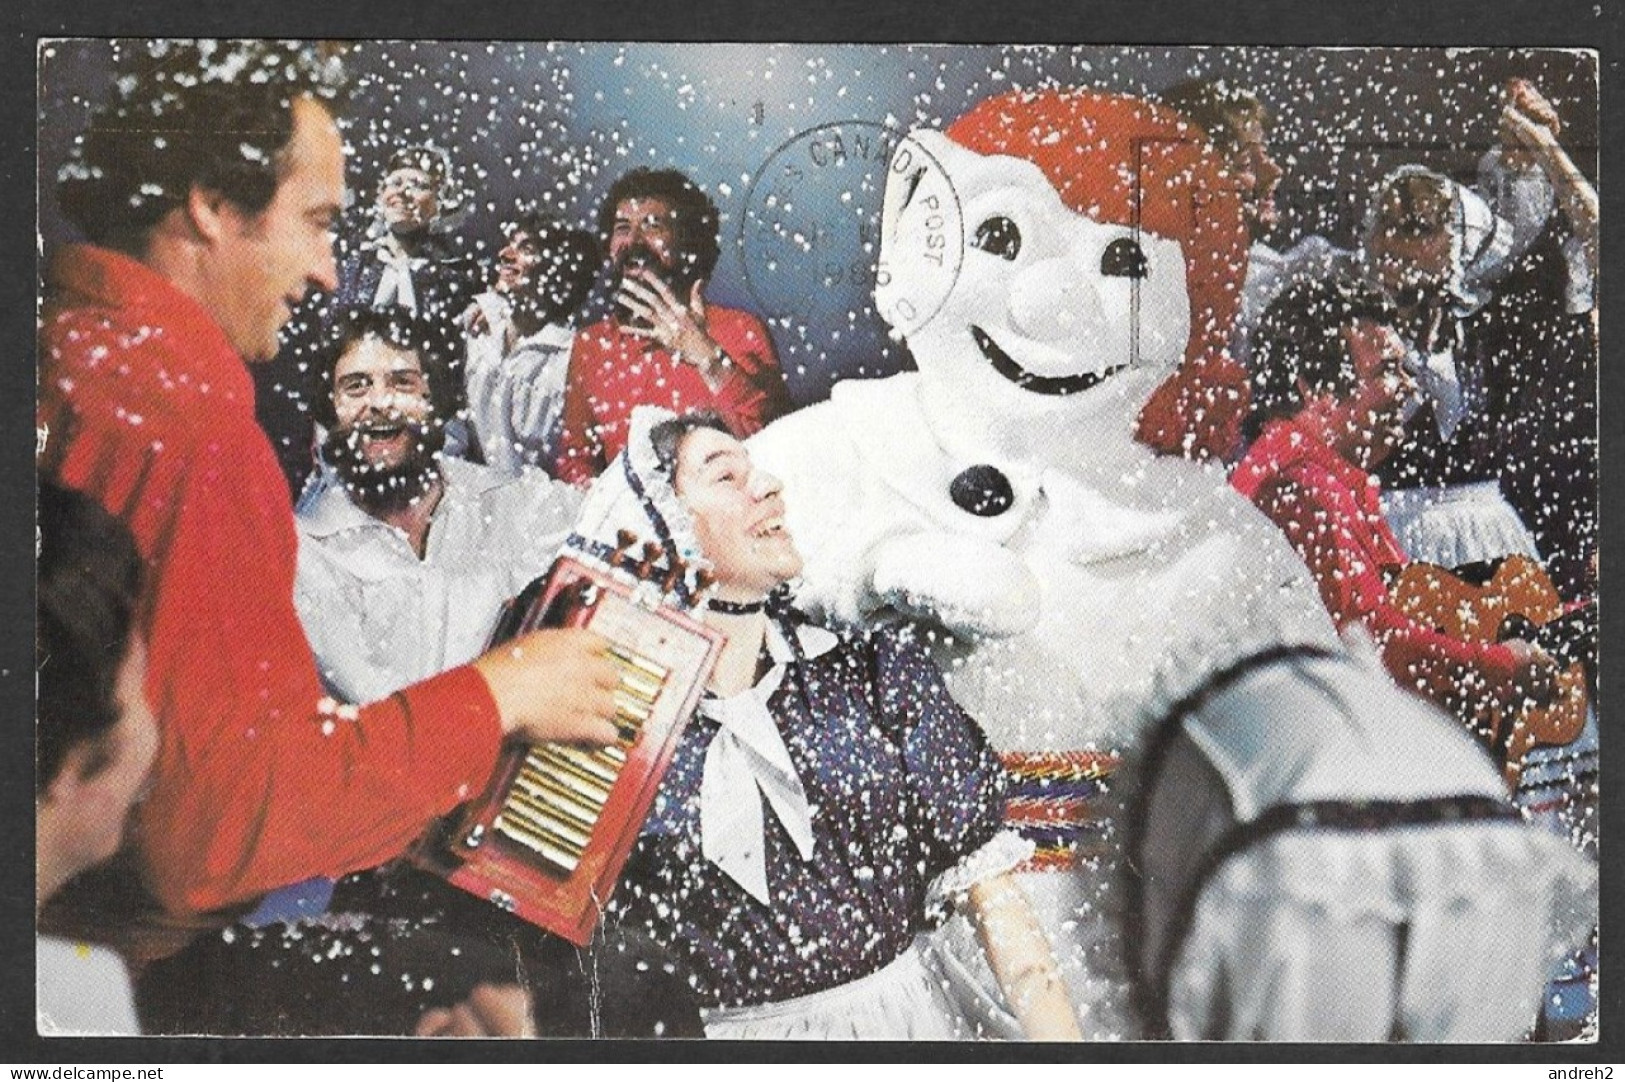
[{"x": 1055, "y": 802}]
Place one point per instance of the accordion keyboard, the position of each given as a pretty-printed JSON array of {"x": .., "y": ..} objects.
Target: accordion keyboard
[{"x": 560, "y": 791}]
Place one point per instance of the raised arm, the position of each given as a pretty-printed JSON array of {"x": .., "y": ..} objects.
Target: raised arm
[{"x": 1530, "y": 127}]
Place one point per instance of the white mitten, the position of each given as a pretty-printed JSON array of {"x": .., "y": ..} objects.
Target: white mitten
[{"x": 970, "y": 586}]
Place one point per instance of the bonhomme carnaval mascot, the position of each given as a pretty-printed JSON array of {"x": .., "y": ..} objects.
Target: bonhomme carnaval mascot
[{"x": 1245, "y": 831}]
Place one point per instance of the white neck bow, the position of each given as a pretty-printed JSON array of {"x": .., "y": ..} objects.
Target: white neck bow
[
  {"x": 395, "y": 283},
  {"x": 747, "y": 764}
]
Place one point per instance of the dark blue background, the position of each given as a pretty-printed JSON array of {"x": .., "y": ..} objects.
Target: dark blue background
[{"x": 556, "y": 123}]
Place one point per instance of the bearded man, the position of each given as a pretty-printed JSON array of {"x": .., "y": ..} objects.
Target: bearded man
[
  {"x": 406, "y": 555},
  {"x": 665, "y": 344}
]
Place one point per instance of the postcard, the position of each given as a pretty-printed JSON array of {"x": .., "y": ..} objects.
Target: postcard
[{"x": 908, "y": 542}]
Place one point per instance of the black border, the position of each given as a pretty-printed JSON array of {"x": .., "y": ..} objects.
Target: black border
[{"x": 1595, "y": 24}]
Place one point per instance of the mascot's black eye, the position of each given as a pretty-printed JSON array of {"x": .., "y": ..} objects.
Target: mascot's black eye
[
  {"x": 1123, "y": 258},
  {"x": 998, "y": 236}
]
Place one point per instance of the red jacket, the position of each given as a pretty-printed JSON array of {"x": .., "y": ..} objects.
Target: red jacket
[
  {"x": 260, "y": 780},
  {"x": 1329, "y": 509},
  {"x": 612, "y": 371}
]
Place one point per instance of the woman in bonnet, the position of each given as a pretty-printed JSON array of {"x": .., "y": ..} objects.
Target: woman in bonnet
[{"x": 827, "y": 796}]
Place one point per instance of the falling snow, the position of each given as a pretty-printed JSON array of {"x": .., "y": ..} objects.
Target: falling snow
[{"x": 1072, "y": 587}]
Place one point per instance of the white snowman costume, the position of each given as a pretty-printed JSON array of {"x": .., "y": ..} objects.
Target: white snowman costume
[{"x": 1091, "y": 596}]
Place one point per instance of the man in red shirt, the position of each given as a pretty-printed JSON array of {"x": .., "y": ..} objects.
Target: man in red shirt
[
  {"x": 208, "y": 187},
  {"x": 663, "y": 345},
  {"x": 1330, "y": 392}
]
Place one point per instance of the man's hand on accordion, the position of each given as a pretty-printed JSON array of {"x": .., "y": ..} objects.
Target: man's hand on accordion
[{"x": 554, "y": 685}]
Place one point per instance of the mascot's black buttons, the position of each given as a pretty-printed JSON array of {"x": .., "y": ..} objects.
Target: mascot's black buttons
[{"x": 982, "y": 490}]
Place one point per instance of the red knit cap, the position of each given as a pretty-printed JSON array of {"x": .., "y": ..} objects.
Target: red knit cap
[{"x": 1123, "y": 161}]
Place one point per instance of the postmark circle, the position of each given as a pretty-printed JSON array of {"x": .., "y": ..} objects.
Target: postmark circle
[{"x": 824, "y": 218}]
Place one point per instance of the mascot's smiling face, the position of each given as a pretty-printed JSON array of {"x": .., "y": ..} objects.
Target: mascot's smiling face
[
  {"x": 1046, "y": 299},
  {"x": 1058, "y": 253}
]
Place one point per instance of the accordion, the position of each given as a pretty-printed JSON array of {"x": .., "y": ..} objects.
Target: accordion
[{"x": 548, "y": 837}]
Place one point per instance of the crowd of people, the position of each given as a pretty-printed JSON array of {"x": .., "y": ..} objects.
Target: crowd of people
[{"x": 283, "y": 696}]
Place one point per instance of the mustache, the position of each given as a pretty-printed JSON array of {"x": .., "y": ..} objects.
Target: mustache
[
  {"x": 639, "y": 254},
  {"x": 344, "y": 444}
]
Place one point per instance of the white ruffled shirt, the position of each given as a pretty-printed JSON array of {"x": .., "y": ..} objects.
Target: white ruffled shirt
[{"x": 379, "y": 618}]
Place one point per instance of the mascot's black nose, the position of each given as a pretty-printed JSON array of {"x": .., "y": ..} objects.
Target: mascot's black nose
[{"x": 982, "y": 490}]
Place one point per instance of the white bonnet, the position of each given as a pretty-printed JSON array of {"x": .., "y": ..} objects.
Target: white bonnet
[
  {"x": 636, "y": 494},
  {"x": 1481, "y": 242}
]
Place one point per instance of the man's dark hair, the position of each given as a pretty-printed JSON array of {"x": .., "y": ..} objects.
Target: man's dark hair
[
  {"x": 423, "y": 157},
  {"x": 89, "y": 581},
  {"x": 211, "y": 114},
  {"x": 695, "y": 217},
  {"x": 431, "y": 340},
  {"x": 667, "y": 436},
  {"x": 560, "y": 282},
  {"x": 1217, "y": 107},
  {"x": 534, "y": 222},
  {"x": 1300, "y": 338}
]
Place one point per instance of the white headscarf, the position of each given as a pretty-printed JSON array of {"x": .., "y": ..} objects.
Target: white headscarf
[
  {"x": 1480, "y": 249},
  {"x": 450, "y": 195},
  {"x": 748, "y": 769},
  {"x": 1480, "y": 241},
  {"x": 635, "y": 494}
]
